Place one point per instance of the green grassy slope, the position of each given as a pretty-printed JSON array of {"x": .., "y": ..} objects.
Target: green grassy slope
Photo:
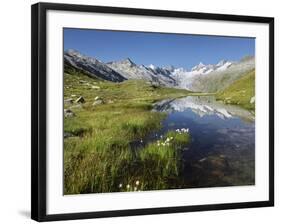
[
  {"x": 99, "y": 156},
  {"x": 240, "y": 92}
]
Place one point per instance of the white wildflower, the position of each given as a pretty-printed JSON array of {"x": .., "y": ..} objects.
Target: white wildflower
[
  {"x": 137, "y": 182},
  {"x": 120, "y": 185}
]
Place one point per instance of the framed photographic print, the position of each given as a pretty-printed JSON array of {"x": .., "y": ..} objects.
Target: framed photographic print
[{"x": 139, "y": 111}]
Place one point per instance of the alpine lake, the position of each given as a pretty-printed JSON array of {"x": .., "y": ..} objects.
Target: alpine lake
[{"x": 221, "y": 151}]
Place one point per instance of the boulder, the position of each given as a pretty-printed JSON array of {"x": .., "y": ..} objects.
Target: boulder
[
  {"x": 98, "y": 102},
  {"x": 68, "y": 113}
]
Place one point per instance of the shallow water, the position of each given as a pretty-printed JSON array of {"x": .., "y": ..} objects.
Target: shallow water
[{"x": 222, "y": 150}]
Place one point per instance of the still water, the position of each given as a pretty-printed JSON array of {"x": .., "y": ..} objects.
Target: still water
[{"x": 222, "y": 149}]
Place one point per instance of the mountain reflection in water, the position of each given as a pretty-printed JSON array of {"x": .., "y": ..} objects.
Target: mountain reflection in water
[{"x": 222, "y": 150}]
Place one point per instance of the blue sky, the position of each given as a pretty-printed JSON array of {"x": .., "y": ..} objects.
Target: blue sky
[{"x": 158, "y": 49}]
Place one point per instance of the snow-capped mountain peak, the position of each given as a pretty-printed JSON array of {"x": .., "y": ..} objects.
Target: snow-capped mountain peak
[
  {"x": 152, "y": 66},
  {"x": 206, "y": 69},
  {"x": 221, "y": 63},
  {"x": 198, "y": 67},
  {"x": 185, "y": 78}
]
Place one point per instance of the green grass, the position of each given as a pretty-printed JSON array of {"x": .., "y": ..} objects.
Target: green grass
[
  {"x": 100, "y": 156},
  {"x": 240, "y": 92},
  {"x": 161, "y": 161}
]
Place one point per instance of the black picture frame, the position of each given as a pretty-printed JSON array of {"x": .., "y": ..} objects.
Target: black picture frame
[{"x": 39, "y": 122}]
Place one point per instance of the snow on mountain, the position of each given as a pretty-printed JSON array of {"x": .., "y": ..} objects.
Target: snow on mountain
[
  {"x": 208, "y": 78},
  {"x": 223, "y": 65},
  {"x": 206, "y": 69},
  {"x": 185, "y": 78},
  {"x": 91, "y": 66},
  {"x": 224, "y": 74}
]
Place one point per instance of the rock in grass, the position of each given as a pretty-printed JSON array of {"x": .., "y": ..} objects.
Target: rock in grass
[
  {"x": 98, "y": 102},
  {"x": 68, "y": 113},
  {"x": 253, "y": 99},
  {"x": 68, "y": 101},
  {"x": 80, "y": 100},
  {"x": 67, "y": 135},
  {"x": 95, "y": 87}
]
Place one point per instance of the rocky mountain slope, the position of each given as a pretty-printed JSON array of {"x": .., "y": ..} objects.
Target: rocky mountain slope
[
  {"x": 130, "y": 70},
  {"x": 91, "y": 66},
  {"x": 201, "y": 78}
]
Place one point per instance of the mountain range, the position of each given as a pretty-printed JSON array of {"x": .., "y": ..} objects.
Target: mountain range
[{"x": 203, "y": 78}]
